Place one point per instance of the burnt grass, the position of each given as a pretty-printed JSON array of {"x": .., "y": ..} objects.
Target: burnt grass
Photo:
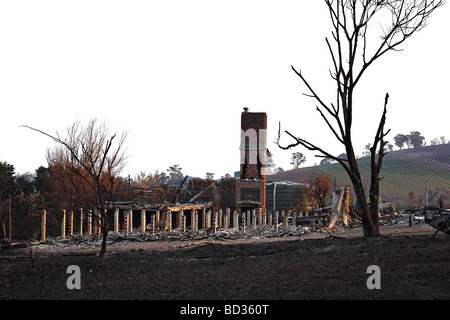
[{"x": 412, "y": 267}]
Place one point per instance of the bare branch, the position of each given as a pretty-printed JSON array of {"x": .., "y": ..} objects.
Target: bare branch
[
  {"x": 351, "y": 54},
  {"x": 379, "y": 138},
  {"x": 330, "y": 126},
  {"x": 308, "y": 145},
  {"x": 408, "y": 17},
  {"x": 313, "y": 93}
]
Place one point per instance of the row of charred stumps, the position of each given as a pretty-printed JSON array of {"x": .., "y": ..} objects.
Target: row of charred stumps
[{"x": 183, "y": 219}]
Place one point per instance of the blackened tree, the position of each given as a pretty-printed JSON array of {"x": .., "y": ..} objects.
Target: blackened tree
[
  {"x": 354, "y": 48},
  {"x": 87, "y": 163}
]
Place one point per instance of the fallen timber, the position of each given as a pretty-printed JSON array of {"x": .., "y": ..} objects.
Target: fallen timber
[
  {"x": 440, "y": 220},
  {"x": 436, "y": 217}
]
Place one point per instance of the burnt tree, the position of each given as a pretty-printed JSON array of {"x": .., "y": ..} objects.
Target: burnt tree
[
  {"x": 86, "y": 165},
  {"x": 353, "y": 49}
]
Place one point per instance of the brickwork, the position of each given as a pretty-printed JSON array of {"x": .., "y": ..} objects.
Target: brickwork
[
  {"x": 251, "y": 187},
  {"x": 253, "y": 145},
  {"x": 248, "y": 184}
]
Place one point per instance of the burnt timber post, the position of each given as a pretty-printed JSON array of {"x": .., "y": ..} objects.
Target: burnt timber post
[
  {"x": 63, "y": 224},
  {"x": 81, "y": 221},
  {"x": 116, "y": 220},
  {"x": 143, "y": 222},
  {"x": 89, "y": 223},
  {"x": 43, "y": 225}
]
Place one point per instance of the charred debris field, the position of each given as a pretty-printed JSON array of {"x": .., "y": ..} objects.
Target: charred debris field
[{"x": 255, "y": 268}]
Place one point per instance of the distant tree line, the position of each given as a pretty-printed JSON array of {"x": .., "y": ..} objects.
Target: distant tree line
[
  {"x": 415, "y": 139},
  {"x": 412, "y": 140}
]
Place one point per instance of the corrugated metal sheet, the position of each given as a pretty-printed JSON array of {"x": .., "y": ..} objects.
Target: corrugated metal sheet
[{"x": 284, "y": 193}]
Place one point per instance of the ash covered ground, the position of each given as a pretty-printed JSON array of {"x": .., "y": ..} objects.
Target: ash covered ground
[{"x": 292, "y": 264}]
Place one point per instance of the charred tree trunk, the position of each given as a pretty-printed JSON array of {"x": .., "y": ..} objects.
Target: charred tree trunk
[
  {"x": 352, "y": 23},
  {"x": 370, "y": 225},
  {"x": 105, "y": 229},
  {"x": 375, "y": 166}
]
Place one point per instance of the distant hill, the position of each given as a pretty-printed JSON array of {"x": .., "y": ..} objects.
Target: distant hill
[{"x": 404, "y": 171}]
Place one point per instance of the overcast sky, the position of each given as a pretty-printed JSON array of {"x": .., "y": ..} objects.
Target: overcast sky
[{"x": 177, "y": 74}]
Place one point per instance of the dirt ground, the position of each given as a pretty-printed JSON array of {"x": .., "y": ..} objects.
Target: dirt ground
[{"x": 288, "y": 268}]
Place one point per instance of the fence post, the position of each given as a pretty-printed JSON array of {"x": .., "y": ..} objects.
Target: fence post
[
  {"x": 210, "y": 214},
  {"x": 89, "y": 222},
  {"x": 203, "y": 218},
  {"x": 243, "y": 222},
  {"x": 70, "y": 224},
  {"x": 143, "y": 212},
  {"x": 43, "y": 224},
  {"x": 183, "y": 223},
  {"x": 235, "y": 220},
  {"x": 179, "y": 217},
  {"x": 196, "y": 220},
  {"x": 81, "y": 221},
  {"x": 126, "y": 221},
  {"x": 153, "y": 225},
  {"x": 130, "y": 221},
  {"x": 214, "y": 218},
  {"x": 169, "y": 218},
  {"x": 94, "y": 221},
  {"x": 285, "y": 219},
  {"x": 116, "y": 220},
  {"x": 276, "y": 221},
  {"x": 63, "y": 224},
  {"x": 254, "y": 215},
  {"x": 193, "y": 219},
  {"x": 219, "y": 219}
]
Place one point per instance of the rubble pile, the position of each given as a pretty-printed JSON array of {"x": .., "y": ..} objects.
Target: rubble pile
[{"x": 121, "y": 238}]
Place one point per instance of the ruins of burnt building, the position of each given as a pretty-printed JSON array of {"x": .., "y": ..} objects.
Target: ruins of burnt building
[{"x": 251, "y": 185}]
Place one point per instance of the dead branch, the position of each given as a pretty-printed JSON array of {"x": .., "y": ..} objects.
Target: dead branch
[{"x": 353, "y": 26}]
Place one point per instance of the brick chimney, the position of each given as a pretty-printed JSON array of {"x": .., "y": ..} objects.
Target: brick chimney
[{"x": 251, "y": 187}]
